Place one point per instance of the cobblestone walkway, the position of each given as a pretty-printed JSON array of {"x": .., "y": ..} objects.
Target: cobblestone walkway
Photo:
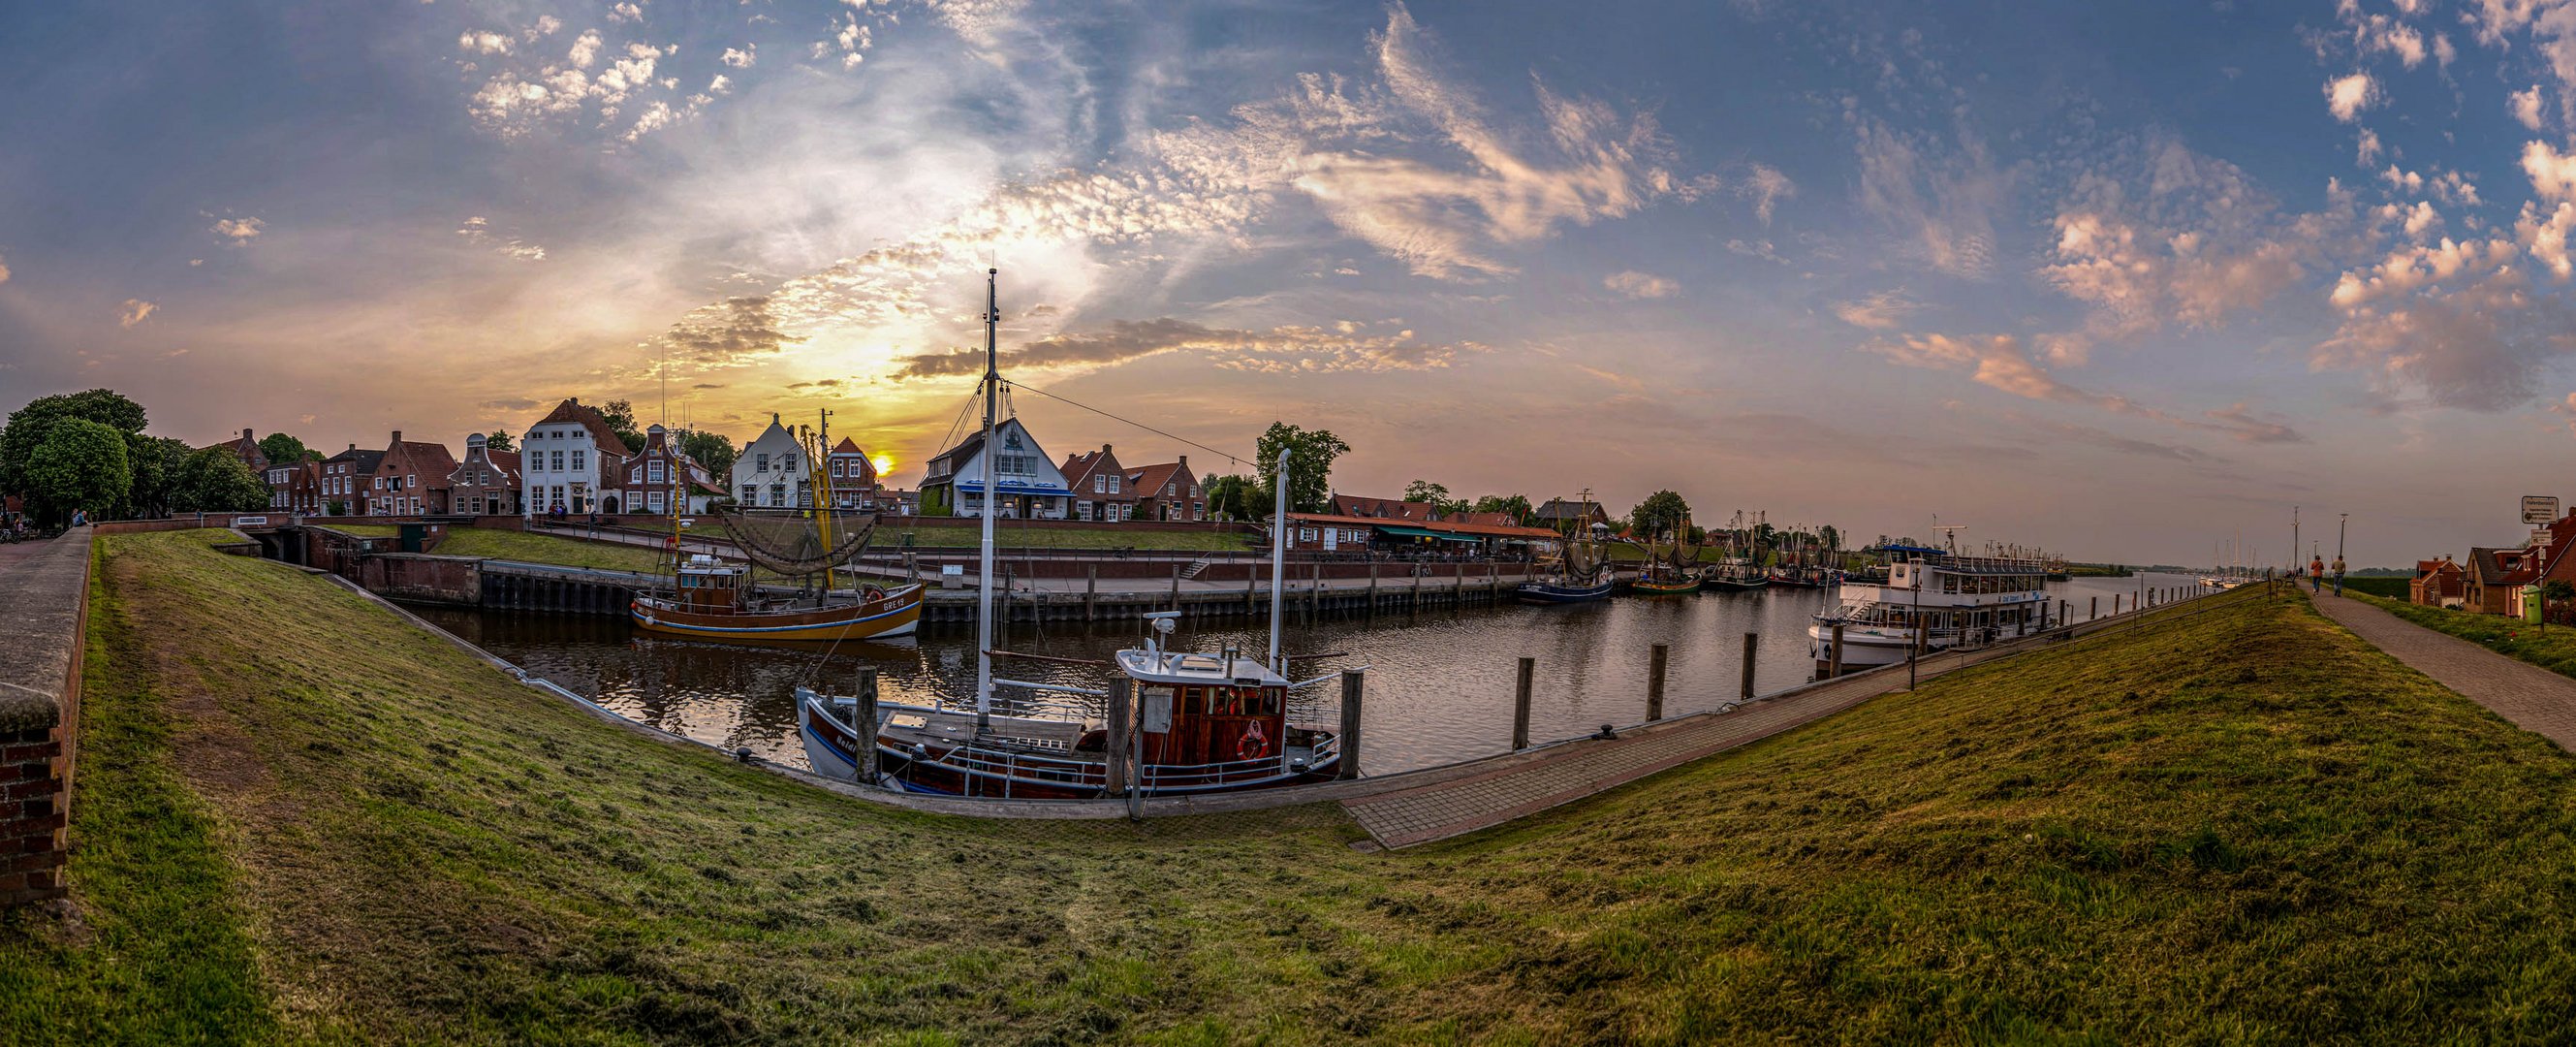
[{"x": 2534, "y": 698}]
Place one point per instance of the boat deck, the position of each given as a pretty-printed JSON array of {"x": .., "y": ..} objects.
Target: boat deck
[{"x": 906, "y": 724}]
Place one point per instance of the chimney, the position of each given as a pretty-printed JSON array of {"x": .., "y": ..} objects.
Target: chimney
[
  {"x": 397, "y": 440},
  {"x": 1104, "y": 450},
  {"x": 246, "y": 435},
  {"x": 353, "y": 447}
]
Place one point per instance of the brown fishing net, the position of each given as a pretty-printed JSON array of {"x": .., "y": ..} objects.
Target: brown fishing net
[{"x": 791, "y": 541}]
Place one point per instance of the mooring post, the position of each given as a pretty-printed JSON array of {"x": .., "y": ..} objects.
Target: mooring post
[
  {"x": 1090, "y": 591},
  {"x": 2061, "y": 613},
  {"x": 1372, "y": 603},
  {"x": 1835, "y": 667},
  {"x": 1655, "y": 662},
  {"x": 1176, "y": 587},
  {"x": 1350, "y": 739},
  {"x": 1122, "y": 693},
  {"x": 2094, "y": 610},
  {"x": 1415, "y": 607},
  {"x": 865, "y": 721},
  {"x": 1521, "y": 703},
  {"x": 1749, "y": 640}
]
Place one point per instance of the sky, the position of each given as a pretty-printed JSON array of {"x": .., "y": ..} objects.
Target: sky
[{"x": 2128, "y": 281}]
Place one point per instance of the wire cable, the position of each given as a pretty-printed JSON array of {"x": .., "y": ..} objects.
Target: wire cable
[{"x": 1230, "y": 457}]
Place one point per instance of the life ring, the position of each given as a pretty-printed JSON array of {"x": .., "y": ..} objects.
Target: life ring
[
  {"x": 872, "y": 594},
  {"x": 1254, "y": 745}
]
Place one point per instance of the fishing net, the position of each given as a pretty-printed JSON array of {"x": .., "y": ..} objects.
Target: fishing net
[{"x": 791, "y": 542}]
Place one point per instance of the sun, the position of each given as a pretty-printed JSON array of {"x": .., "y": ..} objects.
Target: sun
[{"x": 883, "y": 462}]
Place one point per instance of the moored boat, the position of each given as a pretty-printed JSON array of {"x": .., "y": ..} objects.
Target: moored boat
[
  {"x": 717, "y": 601},
  {"x": 1932, "y": 600}
]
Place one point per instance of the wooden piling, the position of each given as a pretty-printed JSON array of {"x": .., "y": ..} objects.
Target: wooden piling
[
  {"x": 866, "y": 725},
  {"x": 1750, "y": 639},
  {"x": 1350, "y": 737},
  {"x": 1122, "y": 693},
  {"x": 2094, "y": 610},
  {"x": 1835, "y": 667},
  {"x": 1521, "y": 703},
  {"x": 1091, "y": 592},
  {"x": 1176, "y": 587},
  {"x": 1372, "y": 597},
  {"x": 1655, "y": 683}
]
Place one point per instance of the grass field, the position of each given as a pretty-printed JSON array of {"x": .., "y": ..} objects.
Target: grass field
[
  {"x": 2553, "y": 648},
  {"x": 2246, "y": 828},
  {"x": 548, "y": 549},
  {"x": 967, "y": 533}
]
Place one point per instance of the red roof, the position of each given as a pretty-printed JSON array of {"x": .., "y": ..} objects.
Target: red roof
[
  {"x": 1382, "y": 508},
  {"x": 1146, "y": 481},
  {"x": 1077, "y": 470},
  {"x": 573, "y": 412}
]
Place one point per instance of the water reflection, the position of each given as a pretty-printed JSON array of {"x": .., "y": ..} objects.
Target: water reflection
[{"x": 1439, "y": 685}]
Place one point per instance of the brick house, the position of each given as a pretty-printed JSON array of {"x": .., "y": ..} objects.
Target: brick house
[
  {"x": 411, "y": 478},
  {"x": 486, "y": 483},
  {"x": 1496, "y": 519},
  {"x": 567, "y": 460},
  {"x": 1168, "y": 491},
  {"x": 294, "y": 487},
  {"x": 1331, "y": 532},
  {"x": 2438, "y": 583},
  {"x": 650, "y": 481},
  {"x": 1562, "y": 515},
  {"x": 853, "y": 476},
  {"x": 1099, "y": 485},
  {"x": 346, "y": 477},
  {"x": 1382, "y": 508},
  {"x": 247, "y": 448}
]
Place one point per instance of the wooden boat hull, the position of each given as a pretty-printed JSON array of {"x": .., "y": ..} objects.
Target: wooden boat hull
[
  {"x": 1732, "y": 585},
  {"x": 1644, "y": 588},
  {"x": 1553, "y": 593},
  {"x": 832, "y": 747},
  {"x": 897, "y": 613}
]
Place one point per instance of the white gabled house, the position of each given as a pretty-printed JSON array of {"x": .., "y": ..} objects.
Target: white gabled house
[
  {"x": 571, "y": 460},
  {"x": 772, "y": 473},
  {"x": 1027, "y": 485}
]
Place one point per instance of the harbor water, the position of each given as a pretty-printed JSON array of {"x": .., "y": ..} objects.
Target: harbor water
[{"x": 1439, "y": 685}]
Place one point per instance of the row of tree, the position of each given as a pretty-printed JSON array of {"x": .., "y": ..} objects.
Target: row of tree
[{"x": 87, "y": 452}]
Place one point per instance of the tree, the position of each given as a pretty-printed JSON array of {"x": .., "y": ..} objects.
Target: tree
[
  {"x": 499, "y": 440},
  {"x": 1661, "y": 513},
  {"x": 1426, "y": 491},
  {"x": 282, "y": 449},
  {"x": 1234, "y": 497},
  {"x": 1518, "y": 505},
  {"x": 154, "y": 460},
  {"x": 28, "y": 426},
  {"x": 79, "y": 465},
  {"x": 620, "y": 415},
  {"x": 1832, "y": 539},
  {"x": 215, "y": 480},
  {"x": 713, "y": 450},
  {"x": 1310, "y": 465}
]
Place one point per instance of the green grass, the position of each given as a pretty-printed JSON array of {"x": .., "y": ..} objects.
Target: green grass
[
  {"x": 2249, "y": 827},
  {"x": 549, "y": 549},
  {"x": 2396, "y": 588},
  {"x": 955, "y": 532},
  {"x": 364, "y": 530},
  {"x": 2553, "y": 648}
]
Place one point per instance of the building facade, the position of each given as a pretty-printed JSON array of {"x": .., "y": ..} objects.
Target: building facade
[
  {"x": 771, "y": 472},
  {"x": 1168, "y": 491},
  {"x": 853, "y": 477},
  {"x": 567, "y": 461},
  {"x": 1025, "y": 483},
  {"x": 661, "y": 475},
  {"x": 294, "y": 487},
  {"x": 346, "y": 477},
  {"x": 411, "y": 479},
  {"x": 1099, "y": 486},
  {"x": 486, "y": 482}
]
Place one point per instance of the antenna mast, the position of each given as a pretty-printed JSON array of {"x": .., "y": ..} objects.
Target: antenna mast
[{"x": 992, "y": 505}]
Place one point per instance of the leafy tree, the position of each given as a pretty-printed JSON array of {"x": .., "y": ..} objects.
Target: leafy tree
[
  {"x": 282, "y": 449},
  {"x": 215, "y": 480},
  {"x": 1518, "y": 505},
  {"x": 499, "y": 440},
  {"x": 1234, "y": 497},
  {"x": 154, "y": 460},
  {"x": 1426, "y": 491},
  {"x": 620, "y": 415},
  {"x": 1310, "y": 465},
  {"x": 28, "y": 426},
  {"x": 80, "y": 464},
  {"x": 713, "y": 450},
  {"x": 1661, "y": 513},
  {"x": 1832, "y": 539}
]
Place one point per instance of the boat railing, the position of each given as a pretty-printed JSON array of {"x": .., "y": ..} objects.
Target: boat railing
[{"x": 1182, "y": 776}]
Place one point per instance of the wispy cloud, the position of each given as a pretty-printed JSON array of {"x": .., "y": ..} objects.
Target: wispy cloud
[
  {"x": 2004, "y": 362},
  {"x": 238, "y": 230},
  {"x": 1633, "y": 284},
  {"x": 134, "y": 311},
  {"x": 1278, "y": 350}
]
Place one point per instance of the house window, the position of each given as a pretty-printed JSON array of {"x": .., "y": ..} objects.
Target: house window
[
  {"x": 1305, "y": 534},
  {"x": 1113, "y": 482},
  {"x": 412, "y": 480},
  {"x": 656, "y": 472},
  {"x": 558, "y": 461},
  {"x": 778, "y": 494},
  {"x": 576, "y": 460},
  {"x": 654, "y": 500},
  {"x": 1167, "y": 490},
  {"x": 746, "y": 497},
  {"x": 1099, "y": 485},
  {"x": 760, "y": 462}
]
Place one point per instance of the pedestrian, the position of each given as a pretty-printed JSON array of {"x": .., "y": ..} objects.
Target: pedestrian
[
  {"x": 2338, "y": 574},
  {"x": 2316, "y": 574}
]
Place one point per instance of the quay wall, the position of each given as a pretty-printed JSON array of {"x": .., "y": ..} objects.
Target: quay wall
[
  {"x": 41, "y": 640},
  {"x": 423, "y": 577}
]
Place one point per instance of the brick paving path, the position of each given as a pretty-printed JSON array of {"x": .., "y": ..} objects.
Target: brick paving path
[
  {"x": 1482, "y": 794},
  {"x": 2534, "y": 698}
]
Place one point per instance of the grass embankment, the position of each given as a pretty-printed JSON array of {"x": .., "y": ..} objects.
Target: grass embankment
[
  {"x": 550, "y": 549},
  {"x": 955, "y": 532},
  {"x": 2390, "y": 587},
  {"x": 2553, "y": 648},
  {"x": 2247, "y": 827}
]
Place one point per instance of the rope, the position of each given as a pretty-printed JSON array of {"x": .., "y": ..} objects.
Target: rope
[{"x": 1230, "y": 458}]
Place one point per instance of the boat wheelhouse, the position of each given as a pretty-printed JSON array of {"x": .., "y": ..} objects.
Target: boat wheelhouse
[{"x": 1935, "y": 600}]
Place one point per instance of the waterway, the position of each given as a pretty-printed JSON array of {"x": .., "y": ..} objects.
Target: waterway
[{"x": 1439, "y": 685}]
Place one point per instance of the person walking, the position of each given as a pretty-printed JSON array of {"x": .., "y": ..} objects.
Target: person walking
[
  {"x": 2316, "y": 574},
  {"x": 2338, "y": 574}
]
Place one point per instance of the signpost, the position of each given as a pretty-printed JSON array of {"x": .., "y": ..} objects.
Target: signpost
[{"x": 2539, "y": 508}]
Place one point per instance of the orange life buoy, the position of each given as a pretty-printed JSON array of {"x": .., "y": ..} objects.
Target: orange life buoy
[{"x": 1254, "y": 745}]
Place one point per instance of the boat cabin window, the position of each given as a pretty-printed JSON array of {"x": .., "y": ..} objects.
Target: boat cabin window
[{"x": 1230, "y": 701}]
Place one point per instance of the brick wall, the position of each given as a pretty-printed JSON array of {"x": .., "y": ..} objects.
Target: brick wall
[
  {"x": 44, "y": 604},
  {"x": 34, "y": 790}
]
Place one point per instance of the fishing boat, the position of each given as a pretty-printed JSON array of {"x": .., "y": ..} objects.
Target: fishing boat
[
  {"x": 1737, "y": 571},
  {"x": 713, "y": 600},
  {"x": 1202, "y": 723},
  {"x": 1578, "y": 573},
  {"x": 1670, "y": 568},
  {"x": 1933, "y": 599}
]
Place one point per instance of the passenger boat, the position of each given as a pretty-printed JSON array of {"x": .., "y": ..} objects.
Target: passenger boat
[
  {"x": 1201, "y": 723},
  {"x": 1937, "y": 599},
  {"x": 717, "y": 601}
]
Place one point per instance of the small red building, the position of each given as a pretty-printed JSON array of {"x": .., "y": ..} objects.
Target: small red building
[
  {"x": 486, "y": 483},
  {"x": 411, "y": 479},
  {"x": 348, "y": 479},
  {"x": 853, "y": 476},
  {"x": 1383, "y": 508},
  {"x": 2438, "y": 583},
  {"x": 1099, "y": 486},
  {"x": 1167, "y": 492}
]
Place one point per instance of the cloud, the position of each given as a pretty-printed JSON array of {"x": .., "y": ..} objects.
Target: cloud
[
  {"x": 2553, "y": 174},
  {"x": 2525, "y": 106},
  {"x": 239, "y": 230},
  {"x": 2348, "y": 96},
  {"x": 4, "y": 270},
  {"x": 625, "y": 11},
  {"x": 1280, "y": 350},
  {"x": 483, "y": 41},
  {"x": 1633, "y": 284},
  {"x": 1945, "y": 203},
  {"x": 511, "y": 404},
  {"x": 133, "y": 312},
  {"x": 585, "y": 49},
  {"x": 1766, "y": 186},
  {"x": 546, "y": 26},
  {"x": 742, "y": 58},
  {"x": 729, "y": 333},
  {"x": 2002, "y": 362},
  {"x": 1884, "y": 311}
]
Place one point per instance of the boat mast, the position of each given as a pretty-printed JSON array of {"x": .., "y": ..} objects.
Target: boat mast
[
  {"x": 1278, "y": 559},
  {"x": 984, "y": 564},
  {"x": 814, "y": 460}
]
